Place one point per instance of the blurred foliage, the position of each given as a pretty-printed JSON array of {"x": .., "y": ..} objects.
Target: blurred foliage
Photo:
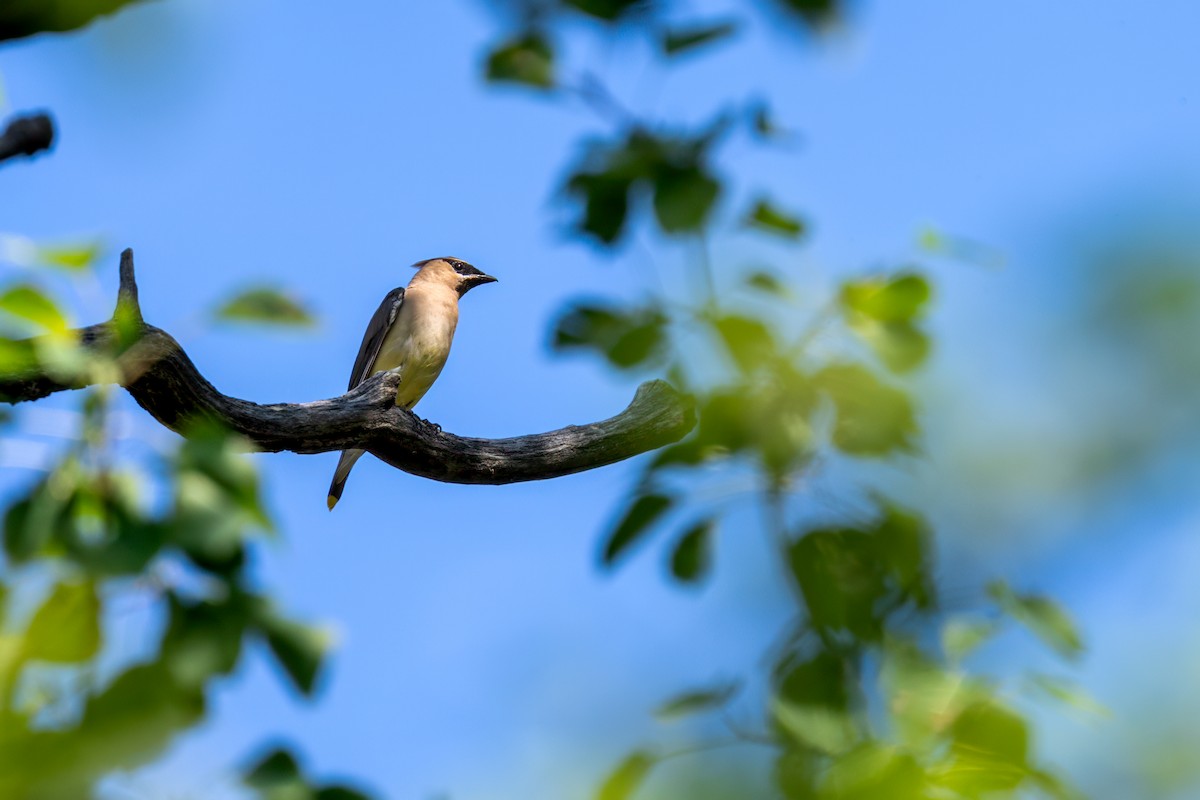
[
  {"x": 685, "y": 39},
  {"x": 20, "y": 18},
  {"x": 867, "y": 694},
  {"x": 765, "y": 216},
  {"x": 277, "y": 776},
  {"x": 670, "y": 168},
  {"x": 527, "y": 60},
  {"x": 83, "y": 529},
  {"x": 265, "y": 306},
  {"x": 82, "y": 542}
]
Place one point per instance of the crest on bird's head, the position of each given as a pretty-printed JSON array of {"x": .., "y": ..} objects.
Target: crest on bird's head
[{"x": 457, "y": 264}]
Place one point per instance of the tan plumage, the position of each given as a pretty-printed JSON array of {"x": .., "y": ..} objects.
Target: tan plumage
[{"x": 411, "y": 332}]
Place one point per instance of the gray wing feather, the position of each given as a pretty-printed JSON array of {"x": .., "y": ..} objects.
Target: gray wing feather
[{"x": 368, "y": 351}]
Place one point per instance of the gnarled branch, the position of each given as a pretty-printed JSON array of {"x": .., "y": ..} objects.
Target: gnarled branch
[{"x": 164, "y": 381}]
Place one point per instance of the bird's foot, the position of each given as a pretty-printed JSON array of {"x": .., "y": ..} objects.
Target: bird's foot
[{"x": 428, "y": 424}]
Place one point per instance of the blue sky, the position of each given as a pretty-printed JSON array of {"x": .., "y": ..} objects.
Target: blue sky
[{"x": 480, "y": 652}]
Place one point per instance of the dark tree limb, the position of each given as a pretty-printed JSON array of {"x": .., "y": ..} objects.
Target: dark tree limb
[
  {"x": 26, "y": 136},
  {"x": 164, "y": 381}
]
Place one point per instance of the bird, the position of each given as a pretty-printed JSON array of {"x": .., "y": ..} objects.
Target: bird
[{"x": 411, "y": 332}]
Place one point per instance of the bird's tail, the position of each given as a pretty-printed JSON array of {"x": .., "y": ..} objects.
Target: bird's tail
[{"x": 345, "y": 464}]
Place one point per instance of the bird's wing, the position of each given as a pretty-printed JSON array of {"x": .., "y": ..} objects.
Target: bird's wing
[{"x": 368, "y": 351}]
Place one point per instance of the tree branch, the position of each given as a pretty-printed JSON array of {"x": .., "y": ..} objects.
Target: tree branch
[
  {"x": 164, "y": 381},
  {"x": 26, "y": 136}
]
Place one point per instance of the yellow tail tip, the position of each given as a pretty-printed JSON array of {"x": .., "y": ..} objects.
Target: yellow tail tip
[{"x": 331, "y": 501}]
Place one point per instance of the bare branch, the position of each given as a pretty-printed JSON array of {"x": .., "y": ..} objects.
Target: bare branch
[
  {"x": 164, "y": 381},
  {"x": 26, "y": 136}
]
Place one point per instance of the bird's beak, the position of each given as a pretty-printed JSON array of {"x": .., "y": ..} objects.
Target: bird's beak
[{"x": 469, "y": 282}]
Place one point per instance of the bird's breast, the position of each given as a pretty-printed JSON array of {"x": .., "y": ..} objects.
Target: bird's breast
[{"x": 418, "y": 344}]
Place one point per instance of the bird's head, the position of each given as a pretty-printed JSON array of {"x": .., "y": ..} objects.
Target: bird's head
[{"x": 453, "y": 272}]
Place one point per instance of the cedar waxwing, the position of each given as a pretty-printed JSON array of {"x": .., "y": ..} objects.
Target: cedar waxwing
[{"x": 411, "y": 332}]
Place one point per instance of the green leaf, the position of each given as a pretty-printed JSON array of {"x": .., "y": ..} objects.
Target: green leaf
[
  {"x": 46, "y": 516},
  {"x": 873, "y": 419},
  {"x": 961, "y": 636},
  {"x": 841, "y": 581},
  {"x": 266, "y": 306},
  {"x": 728, "y": 420},
  {"x": 203, "y": 639},
  {"x": 129, "y": 723},
  {"x": 606, "y": 205},
  {"x": 607, "y": 10},
  {"x": 874, "y": 771},
  {"x": 340, "y": 793},
  {"x": 72, "y": 257},
  {"x": 769, "y": 420},
  {"x": 816, "y": 13},
  {"x": 990, "y": 746},
  {"x": 23, "y": 538},
  {"x": 218, "y": 500},
  {"x": 852, "y": 578},
  {"x": 623, "y": 781},
  {"x": 1045, "y": 618},
  {"x": 824, "y": 729},
  {"x": 812, "y": 703},
  {"x": 636, "y": 522},
  {"x": 220, "y": 455},
  {"x": 901, "y": 346},
  {"x": 629, "y": 338},
  {"x": 904, "y": 542},
  {"x": 527, "y": 60},
  {"x": 275, "y": 769},
  {"x": 27, "y": 302},
  {"x": 691, "y": 560},
  {"x": 795, "y": 774},
  {"x": 204, "y": 527},
  {"x": 923, "y": 697},
  {"x": 299, "y": 649},
  {"x": 66, "y": 628},
  {"x": 749, "y": 341},
  {"x": 684, "y": 198},
  {"x": 696, "y": 701},
  {"x": 767, "y": 283},
  {"x": 688, "y": 453},
  {"x": 682, "y": 40},
  {"x": 63, "y": 358},
  {"x": 896, "y": 299},
  {"x": 671, "y": 168},
  {"x": 767, "y": 217},
  {"x": 110, "y": 535},
  {"x": 1069, "y": 693},
  {"x": 17, "y": 357}
]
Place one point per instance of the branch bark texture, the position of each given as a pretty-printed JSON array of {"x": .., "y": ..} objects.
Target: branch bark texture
[{"x": 162, "y": 379}]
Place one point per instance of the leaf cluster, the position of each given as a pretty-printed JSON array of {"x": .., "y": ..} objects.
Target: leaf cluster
[
  {"x": 85, "y": 525},
  {"x": 859, "y": 703}
]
